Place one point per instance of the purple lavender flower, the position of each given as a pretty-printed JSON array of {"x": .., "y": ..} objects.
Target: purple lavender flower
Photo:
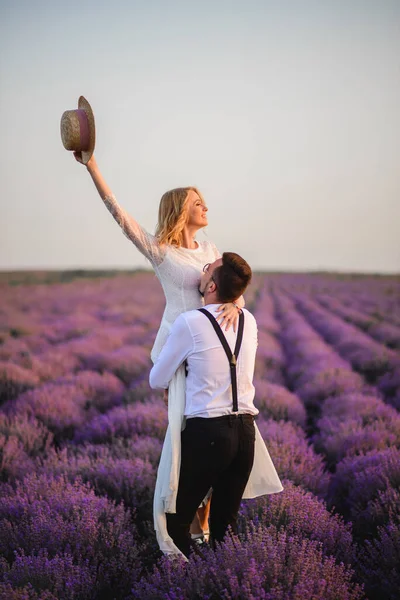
[
  {"x": 21, "y": 439},
  {"x": 102, "y": 391},
  {"x": 127, "y": 363},
  {"x": 14, "y": 350},
  {"x": 383, "y": 507},
  {"x": 130, "y": 480},
  {"x": 54, "y": 362},
  {"x": 36, "y": 343},
  {"x": 378, "y": 563},
  {"x": 386, "y": 333},
  {"x": 275, "y": 401},
  {"x": 60, "y": 408},
  {"x": 127, "y": 422},
  {"x": 292, "y": 456},
  {"x": 52, "y": 577},
  {"x": 356, "y": 485},
  {"x": 99, "y": 342},
  {"x": 14, "y": 461},
  {"x": 264, "y": 313},
  {"x": 108, "y": 325},
  {"x": 17, "y": 323},
  {"x": 314, "y": 370},
  {"x": 366, "y": 355},
  {"x": 269, "y": 564},
  {"x": 354, "y": 424},
  {"x": 304, "y": 515},
  {"x": 146, "y": 447},
  {"x": 270, "y": 359},
  {"x": 328, "y": 381},
  {"x": 140, "y": 391},
  {"x": 389, "y": 385},
  {"x": 14, "y": 380},
  {"x": 62, "y": 517},
  {"x": 68, "y": 327}
]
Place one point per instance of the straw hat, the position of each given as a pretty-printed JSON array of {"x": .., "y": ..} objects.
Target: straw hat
[{"x": 78, "y": 131}]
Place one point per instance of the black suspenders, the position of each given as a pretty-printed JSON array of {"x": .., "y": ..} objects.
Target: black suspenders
[{"x": 231, "y": 357}]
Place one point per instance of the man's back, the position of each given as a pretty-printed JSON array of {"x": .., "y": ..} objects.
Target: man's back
[{"x": 208, "y": 383}]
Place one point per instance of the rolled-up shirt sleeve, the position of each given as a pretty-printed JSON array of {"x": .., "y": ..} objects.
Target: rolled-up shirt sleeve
[{"x": 177, "y": 348}]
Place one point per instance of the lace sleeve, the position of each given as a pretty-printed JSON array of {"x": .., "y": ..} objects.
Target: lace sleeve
[{"x": 146, "y": 243}]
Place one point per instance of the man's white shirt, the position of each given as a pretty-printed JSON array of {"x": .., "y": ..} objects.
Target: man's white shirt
[{"x": 208, "y": 383}]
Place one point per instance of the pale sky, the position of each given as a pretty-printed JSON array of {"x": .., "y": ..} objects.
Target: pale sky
[{"x": 286, "y": 115}]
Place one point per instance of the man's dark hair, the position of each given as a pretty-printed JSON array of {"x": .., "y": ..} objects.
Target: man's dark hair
[{"x": 232, "y": 277}]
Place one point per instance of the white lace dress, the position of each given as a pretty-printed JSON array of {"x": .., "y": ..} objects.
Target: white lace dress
[{"x": 179, "y": 271}]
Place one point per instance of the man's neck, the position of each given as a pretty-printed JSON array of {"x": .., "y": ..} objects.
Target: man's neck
[{"x": 211, "y": 299}]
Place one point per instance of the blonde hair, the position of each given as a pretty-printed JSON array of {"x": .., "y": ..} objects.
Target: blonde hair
[{"x": 172, "y": 215}]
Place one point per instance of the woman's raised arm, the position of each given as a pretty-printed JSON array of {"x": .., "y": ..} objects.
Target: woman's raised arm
[
  {"x": 96, "y": 175},
  {"x": 146, "y": 243}
]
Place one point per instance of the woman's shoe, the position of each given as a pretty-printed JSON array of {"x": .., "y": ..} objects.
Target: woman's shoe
[{"x": 198, "y": 538}]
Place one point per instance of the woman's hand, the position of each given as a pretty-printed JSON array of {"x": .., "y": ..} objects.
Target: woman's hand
[
  {"x": 229, "y": 315},
  {"x": 91, "y": 163}
]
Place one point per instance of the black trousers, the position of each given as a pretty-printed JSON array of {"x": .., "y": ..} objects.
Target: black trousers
[{"x": 219, "y": 453}]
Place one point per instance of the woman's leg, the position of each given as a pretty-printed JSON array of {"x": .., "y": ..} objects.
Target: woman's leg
[
  {"x": 200, "y": 524},
  {"x": 195, "y": 528},
  {"x": 203, "y": 514}
]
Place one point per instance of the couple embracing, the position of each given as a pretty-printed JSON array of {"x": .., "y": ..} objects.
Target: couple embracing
[{"x": 213, "y": 454}]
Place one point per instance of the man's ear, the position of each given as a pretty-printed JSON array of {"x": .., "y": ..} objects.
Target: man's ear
[{"x": 212, "y": 287}]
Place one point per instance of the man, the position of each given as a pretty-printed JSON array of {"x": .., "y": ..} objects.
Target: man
[{"x": 217, "y": 444}]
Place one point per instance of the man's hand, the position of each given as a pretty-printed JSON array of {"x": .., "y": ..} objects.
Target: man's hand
[{"x": 166, "y": 398}]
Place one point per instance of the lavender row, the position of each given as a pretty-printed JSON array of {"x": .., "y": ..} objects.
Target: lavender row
[
  {"x": 368, "y": 357},
  {"x": 359, "y": 431},
  {"x": 272, "y": 398},
  {"x": 376, "y": 296},
  {"x": 383, "y": 306},
  {"x": 313, "y": 368},
  {"x": 385, "y": 333},
  {"x": 353, "y": 422},
  {"x": 351, "y": 418},
  {"x": 270, "y": 359}
]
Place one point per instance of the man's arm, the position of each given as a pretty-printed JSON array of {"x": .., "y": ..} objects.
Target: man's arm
[{"x": 175, "y": 351}]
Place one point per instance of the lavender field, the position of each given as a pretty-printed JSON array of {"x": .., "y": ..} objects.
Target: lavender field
[{"x": 81, "y": 435}]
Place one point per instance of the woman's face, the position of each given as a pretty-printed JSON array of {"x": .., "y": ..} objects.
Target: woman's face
[{"x": 197, "y": 210}]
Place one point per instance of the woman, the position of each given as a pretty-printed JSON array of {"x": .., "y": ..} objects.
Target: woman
[{"x": 178, "y": 260}]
